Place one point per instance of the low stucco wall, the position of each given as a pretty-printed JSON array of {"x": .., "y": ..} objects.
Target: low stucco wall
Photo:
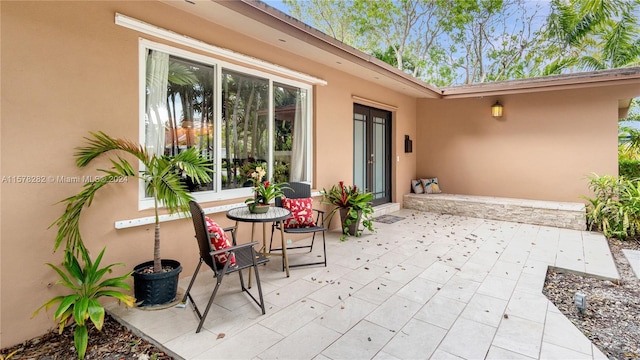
[{"x": 548, "y": 213}]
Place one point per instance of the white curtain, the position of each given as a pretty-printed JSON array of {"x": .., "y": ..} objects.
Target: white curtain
[
  {"x": 298, "y": 146},
  {"x": 157, "y": 78}
]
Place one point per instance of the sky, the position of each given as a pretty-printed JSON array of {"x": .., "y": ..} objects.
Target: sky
[
  {"x": 278, "y": 4},
  {"x": 543, "y": 5}
]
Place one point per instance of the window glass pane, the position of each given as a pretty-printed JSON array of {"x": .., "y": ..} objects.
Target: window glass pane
[
  {"x": 245, "y": 126},
  {"x": 179, "y": 108},
  {"x": 290, "y": 133},
  {"x": 380, "y": 157},
  {"x": 359, "y": 150}
]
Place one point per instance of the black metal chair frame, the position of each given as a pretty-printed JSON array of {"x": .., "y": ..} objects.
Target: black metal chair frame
[
  {"x": 245, "y": 255},
  {"x": 298, "y": 190}
]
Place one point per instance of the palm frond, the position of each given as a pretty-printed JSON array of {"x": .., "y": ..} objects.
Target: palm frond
[
  {"x": 180, "y": 74},
  {"x": 591, "y": 63},
  {"x": 173, "y": 192},
  {"x": 557, "y": 66},
  {"x": 163, "y": 176},
  {"x": 630, "y": 137},
  {"x": 69, "y": 222},
  {"x": 101, "y": 143}
]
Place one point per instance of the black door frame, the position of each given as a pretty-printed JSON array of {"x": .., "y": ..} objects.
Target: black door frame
[{"x": 382, "y": 196}]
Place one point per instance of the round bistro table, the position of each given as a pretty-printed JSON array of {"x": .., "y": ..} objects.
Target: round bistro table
[{"x": 274, "y": 214}]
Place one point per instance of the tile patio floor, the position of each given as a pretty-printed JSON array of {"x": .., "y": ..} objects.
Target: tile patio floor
[{"x": 429, "y": 286}]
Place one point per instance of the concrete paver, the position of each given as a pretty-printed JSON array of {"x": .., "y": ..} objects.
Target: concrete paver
[
  {"x": 429, "y": 286},
  {"x": 633, "y": 256}
]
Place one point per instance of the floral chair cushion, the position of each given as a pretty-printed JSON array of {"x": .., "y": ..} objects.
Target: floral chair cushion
[
  {"x": 431, "y": 186},
  {"x": 219, "y": 241},
  {"x": 301, "y": 212}
]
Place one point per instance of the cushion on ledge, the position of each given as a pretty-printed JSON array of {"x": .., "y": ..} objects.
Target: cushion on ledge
[
  {"x": 301, "y": 212},
  {"x": 431, "y": 186},
  {"x": 219, "y": 241},
  {"x": 416, "y": 186}
]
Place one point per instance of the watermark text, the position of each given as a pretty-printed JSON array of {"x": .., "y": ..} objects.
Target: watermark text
[{"x": 61, "y": 179}]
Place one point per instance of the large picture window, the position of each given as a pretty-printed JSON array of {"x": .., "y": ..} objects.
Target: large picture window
[{"x": 239, "y": 118}]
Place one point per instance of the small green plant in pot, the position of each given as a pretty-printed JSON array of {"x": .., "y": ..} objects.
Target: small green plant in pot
[
  {"x": 87, "y": 286},
  {"x": 354, "y": 207},
  {"x": 163, "y": 177},
  {"x": 263, "y": 191}
]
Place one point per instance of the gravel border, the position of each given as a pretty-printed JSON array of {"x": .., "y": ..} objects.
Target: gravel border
[{"x": 612, "y": 318}]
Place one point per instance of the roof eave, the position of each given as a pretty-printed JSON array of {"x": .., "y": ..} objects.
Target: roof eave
[{"x": 619, "y": 76}]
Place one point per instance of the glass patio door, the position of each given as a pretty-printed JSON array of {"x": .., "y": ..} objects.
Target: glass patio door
[{"x": 372, "y": 151}]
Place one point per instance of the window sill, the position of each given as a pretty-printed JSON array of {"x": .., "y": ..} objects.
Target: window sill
[{"x": 124, "y": 224}]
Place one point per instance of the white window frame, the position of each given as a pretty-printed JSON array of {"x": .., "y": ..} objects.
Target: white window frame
[{"x": 145, "y": 202}]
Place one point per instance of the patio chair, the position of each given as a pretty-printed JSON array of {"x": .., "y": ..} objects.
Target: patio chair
[
  {"x": 244, "y": 255},
  {"x": 298, "y": 190}
]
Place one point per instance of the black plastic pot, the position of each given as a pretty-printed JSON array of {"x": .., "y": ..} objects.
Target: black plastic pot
[{"x": 156, "y": 288}]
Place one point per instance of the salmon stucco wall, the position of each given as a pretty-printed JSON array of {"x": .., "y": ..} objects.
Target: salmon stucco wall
[
  {"x": 67, "y": 69},
  {"x": 543, "y": 148}
]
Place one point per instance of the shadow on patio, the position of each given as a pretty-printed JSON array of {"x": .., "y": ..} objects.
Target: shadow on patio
[{"x": 426, "y": 286}]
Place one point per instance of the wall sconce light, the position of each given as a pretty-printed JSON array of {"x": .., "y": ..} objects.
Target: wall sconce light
[
  {"x": 408, "y": 144},
  {"x": 496, "y": 110}
]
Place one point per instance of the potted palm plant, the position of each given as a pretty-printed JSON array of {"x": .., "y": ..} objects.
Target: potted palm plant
[
  {"x": 155, "y": 282},
  {"x": 354, "y": 207}
]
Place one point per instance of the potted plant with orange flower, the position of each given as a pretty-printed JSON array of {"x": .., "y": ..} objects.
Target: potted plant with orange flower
[{"x": 263, "y": 191}]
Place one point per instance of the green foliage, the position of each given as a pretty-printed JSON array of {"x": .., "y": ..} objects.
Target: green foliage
[
  {"x": 355, "y": 201},
  {"x": 247, "y": 169},
  {"x": 629, "y": 139},
  {"x": 594, "y": 35},
  {"x": 629, "y": 148},
  {"x": 634, "y": 111},
  {"x": 281, "y": 172},
  {"x": 332, "y": 17},
  {"x": 87, "y": 286},
  {"x": 629, "y": 169},
  {"x": 446, "y": 42},
  {"x": 264, "y": 191},
  {"x": 162, "y": 175},
  {"x": 615, "y": 209}
]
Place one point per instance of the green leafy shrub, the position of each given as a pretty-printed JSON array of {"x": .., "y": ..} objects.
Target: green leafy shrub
[
  {"x": 629, "y": 168},
  {"x": 281, "y": 172},
  {"x": 86, "y": 285},
  {"x": 615, "y": 209}
]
